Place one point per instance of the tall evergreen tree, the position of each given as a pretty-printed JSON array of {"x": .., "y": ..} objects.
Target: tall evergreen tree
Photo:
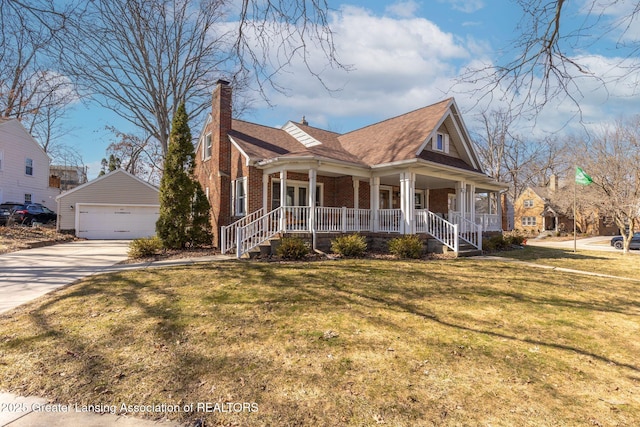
[{"x": 181, "y": 210}]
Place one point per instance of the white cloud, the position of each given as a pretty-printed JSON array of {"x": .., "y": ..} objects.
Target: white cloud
[
  {"x": 403, "y": 9},
  {"x": 466, "y": 6},
  {"x": 398, "y": 64}
]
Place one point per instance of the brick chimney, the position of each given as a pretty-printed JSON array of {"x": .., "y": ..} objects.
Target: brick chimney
[
  {"x": 221, "y": 153},
  {"x": 221, "y": 121}
]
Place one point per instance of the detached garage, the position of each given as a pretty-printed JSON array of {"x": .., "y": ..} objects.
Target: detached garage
[{"x": 117, "y": 205}]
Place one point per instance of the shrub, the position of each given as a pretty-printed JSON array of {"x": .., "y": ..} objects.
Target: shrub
[
  {"x": 409, "y": 246},
  {"x": 352, "y": 245},
  {"x": 494, "y": 243},
  {"x": 145, "y": 247},
  {"x": 292, "y": 248}
]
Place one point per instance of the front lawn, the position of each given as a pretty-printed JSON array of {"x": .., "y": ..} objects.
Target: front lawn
[
  {"x": 367, "y": 342},
  {"x": 611, "y": 263}
]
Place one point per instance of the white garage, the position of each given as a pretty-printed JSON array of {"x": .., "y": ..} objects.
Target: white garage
[
  {"x": 117, "y": 205},
  {"x": 95, "y": 221}
]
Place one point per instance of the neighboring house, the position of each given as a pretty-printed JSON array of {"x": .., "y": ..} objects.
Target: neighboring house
[
  {"x": 24, "y": 167},
  {"x": 70, "y": 176},
  {"x": 535, "y": 212},
  {"x": 415, "y": 173},
  {"x": 117, "y": 205}
]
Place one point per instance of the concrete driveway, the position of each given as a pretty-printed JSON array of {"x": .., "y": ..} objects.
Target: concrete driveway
[{"x": 28, "y": 274}]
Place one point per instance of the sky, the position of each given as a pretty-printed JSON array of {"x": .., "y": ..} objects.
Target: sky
[{"x": 405, "y": 55}]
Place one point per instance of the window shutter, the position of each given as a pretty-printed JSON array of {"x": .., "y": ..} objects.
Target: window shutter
[{"x": 446, "y": 143}]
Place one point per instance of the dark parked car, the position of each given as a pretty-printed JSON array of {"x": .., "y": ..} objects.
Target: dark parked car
[
  {"x": 33, "y": 212},
  {"x": 617, "y": 242},
  {"x": 5, "y": 211}
]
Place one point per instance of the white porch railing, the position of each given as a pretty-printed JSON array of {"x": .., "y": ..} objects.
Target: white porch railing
[
  {"x": 342, "y": 220},
  {"x": 489, "y": 222},
  {"x": 389, "y": 220},
  {"x": 438, "y": 227},
  {"x": 253, "y": 230},
  {"x": 468, "y": 230},
  {"x": 228, "y": 233}
]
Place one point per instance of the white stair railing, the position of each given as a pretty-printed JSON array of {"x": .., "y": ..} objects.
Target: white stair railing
[
  {"x": 441, "y": 229},
  {"x": 468, "y": 230},
  {"x": 259, "y": 231},
  {"x": 228, "y": 233}
]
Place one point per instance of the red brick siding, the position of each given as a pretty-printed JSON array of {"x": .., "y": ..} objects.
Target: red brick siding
[{"x": 439, "y": 200}]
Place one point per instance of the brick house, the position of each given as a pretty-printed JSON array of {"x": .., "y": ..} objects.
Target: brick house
[
  {"x": 535, "y": 212},
  {"x": 415, "y": 173}
]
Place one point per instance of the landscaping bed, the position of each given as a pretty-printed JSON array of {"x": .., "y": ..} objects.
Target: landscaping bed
[{"x": 17, "y": 237}]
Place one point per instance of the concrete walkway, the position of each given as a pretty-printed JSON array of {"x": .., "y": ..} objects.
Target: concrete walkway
[{"x": 28, "y": 274}]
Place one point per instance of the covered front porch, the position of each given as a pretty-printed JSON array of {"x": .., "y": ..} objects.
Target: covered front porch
[{"x": 321, "y": 198}]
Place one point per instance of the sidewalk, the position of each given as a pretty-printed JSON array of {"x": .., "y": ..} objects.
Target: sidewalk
[{"x": 18, "y": 411}]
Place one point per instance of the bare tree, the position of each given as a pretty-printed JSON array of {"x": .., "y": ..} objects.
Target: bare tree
[
  {"x": 546, "y": 60},
  {"x": 507, "y": 156},
  {"x": 140, "y": 156},
  {"x": 142, "y": 58},
  {"x": 31, "y": 88},
  {"x": 611, "y": 157}
]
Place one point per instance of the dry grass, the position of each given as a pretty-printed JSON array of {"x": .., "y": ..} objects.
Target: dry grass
[
  {"x": 15, "y": 238},
  {"x": 611, "y": 263},
  {"x": 456, "y": 342}
]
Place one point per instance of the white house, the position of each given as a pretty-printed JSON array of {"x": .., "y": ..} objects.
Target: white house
[{"x": 24, "y": 167}]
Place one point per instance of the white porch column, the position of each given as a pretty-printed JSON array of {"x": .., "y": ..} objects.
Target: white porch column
[
  {"x": 356, "y": 192},
  {"x": 461, "y": 198},
  {"x": 313, "y": 175},
  {"x": 407, "y": 205},
  {"x": 265, "y": 192},
  {"x": 375, "y": 201},
  {"x": 404, "y": 188},
  {"x": 472, "y": 203},
  {"x": 283, "y": 199}
]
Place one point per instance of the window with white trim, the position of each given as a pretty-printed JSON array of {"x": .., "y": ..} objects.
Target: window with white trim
[
  {"x": 28, "y": 169},
  {"x": 1, "y": 159},
  {"x": 27, "y": 198},
  {"x": 528, "y": 203},
  {"x": 529, "y": 221},
  {"x": 206, "y": 149},
  {"x": 296, "y": 193},
  {"x": 440, "y": 142},
  {"x": 239, "y": 197}
]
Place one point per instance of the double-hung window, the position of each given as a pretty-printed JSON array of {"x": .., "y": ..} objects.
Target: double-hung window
[
  {"x": 206, "y": 153},
  {"x": 28, "y": 167},
  {"x": 440, "y": 142},
  {"x": 239, "y": 197}
]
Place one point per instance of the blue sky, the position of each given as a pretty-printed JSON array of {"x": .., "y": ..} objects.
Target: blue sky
[{"x": 404, "y": 55}]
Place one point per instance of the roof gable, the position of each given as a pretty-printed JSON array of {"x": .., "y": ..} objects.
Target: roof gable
[
  {"x": 7, "y": 124},
  {"x": 402, "y": 138},
  {"x": 104, "y": 177}
]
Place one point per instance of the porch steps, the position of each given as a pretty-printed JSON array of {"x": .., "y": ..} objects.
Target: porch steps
[{"x": 468, "y": 250}]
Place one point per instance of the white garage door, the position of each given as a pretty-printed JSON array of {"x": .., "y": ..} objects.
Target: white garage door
[{"x": 116, "y": 221}]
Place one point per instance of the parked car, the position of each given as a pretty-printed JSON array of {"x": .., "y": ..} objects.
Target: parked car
[
  {"x": 6, "y": 209},
  {"x": 33, "y": 212},
  {"x": 618, "y": 243}
]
